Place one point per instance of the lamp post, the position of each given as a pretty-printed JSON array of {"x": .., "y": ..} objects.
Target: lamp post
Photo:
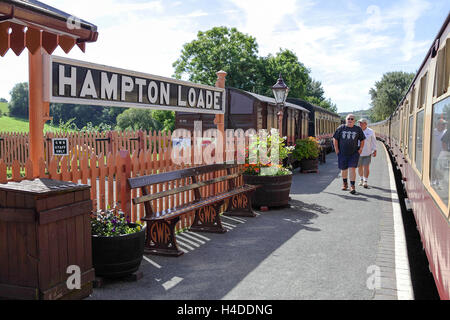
[{"x": 280, "y": 92}]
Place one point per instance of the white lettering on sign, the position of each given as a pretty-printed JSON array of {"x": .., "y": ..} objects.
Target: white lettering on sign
[
  {"x": 108, "y": 87},
  {"x": 88, "y": 86},
  {"x": 71, "y": 81},
  {"x": 78, "y": 82},
  {"x": 60, "y": 146}
]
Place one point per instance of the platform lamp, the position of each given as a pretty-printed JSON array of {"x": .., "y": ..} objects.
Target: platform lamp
[{"x": 280, "y": 92}]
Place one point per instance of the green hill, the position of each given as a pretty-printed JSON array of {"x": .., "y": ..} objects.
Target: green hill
[
  {"x": 11, "y": 124},
  {"x": 4, "y": 107},
  {"x": 358, "y": 114}
]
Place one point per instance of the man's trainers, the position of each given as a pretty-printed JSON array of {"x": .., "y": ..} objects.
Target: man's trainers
[
  {"x": 352, "y": 190},
  {"x": 365, "y": 185},
  {"x": 360, "y": 182},
  {"x": 345, "y": 186}
]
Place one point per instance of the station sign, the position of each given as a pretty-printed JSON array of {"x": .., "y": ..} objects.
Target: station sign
[
  {"x": 60, "y": 146},
  {"x": 79, "y": 82}
]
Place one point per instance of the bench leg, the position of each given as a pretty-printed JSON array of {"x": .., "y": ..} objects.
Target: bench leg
[
  {"x": 207, "y": 219},
  {"x": 240, "y": 205},
  {"x": 161, "y": 239}
]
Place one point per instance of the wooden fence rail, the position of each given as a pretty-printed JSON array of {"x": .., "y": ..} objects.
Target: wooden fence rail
[
  {"x": 15, "y": 146},
  {"x": 106, "y": 172}
]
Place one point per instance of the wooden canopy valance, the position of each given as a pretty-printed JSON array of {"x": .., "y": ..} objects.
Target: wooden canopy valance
[{"x": 33, "y": 24}]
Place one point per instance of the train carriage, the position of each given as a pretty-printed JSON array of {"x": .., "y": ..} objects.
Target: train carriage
[
  {"x": 418, "y": 136},
  {"x": 322, "y": 123},
  {"x": 247, "y": 110}
]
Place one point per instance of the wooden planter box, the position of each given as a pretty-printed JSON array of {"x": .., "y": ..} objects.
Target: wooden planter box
[{"x": 44, "y": 228}]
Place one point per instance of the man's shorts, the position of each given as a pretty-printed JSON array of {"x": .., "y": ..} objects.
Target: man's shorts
[
  {"x": 350, "y": 161},
  {"x": 364, "y": 160}
]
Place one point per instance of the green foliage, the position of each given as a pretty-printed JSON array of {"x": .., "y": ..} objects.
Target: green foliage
[
  {"x": 165, "y": 118},
  {"x": 236, "y": 53},
  {"x": 66, "y": 126},
  {"x": 387, "y": 93},
  {"x": 83, "y": 114},
  {"x": 18, "y": 106},
  {"x": 307, "y": 149},
  {"x": 272, "y": 169},
  {"x": 294, "y": 73},
  {"x": 220, "y": 48},
  {"x": 3, "y": 100},
  {"x": 111, "y": 223},
  {"x": 89, "y": 127},
  {"x": 142, "y": 119}
]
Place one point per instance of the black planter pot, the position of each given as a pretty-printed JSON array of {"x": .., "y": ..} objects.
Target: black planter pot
[
  {"x": 309, "y": 165},
  {"x": 117, "y": 256},
  {"x": 274, "y": 190}
]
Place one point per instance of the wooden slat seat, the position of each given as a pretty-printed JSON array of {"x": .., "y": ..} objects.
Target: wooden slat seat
[{"x": 161, "y": 224}]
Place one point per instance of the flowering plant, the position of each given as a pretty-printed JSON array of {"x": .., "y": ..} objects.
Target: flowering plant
[
  {"x": 270, "y": 164},
  {"x": 112, "y": 222},
  {"x": 307, "y": 149}
]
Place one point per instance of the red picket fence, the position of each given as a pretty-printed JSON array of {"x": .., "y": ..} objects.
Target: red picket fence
[
  {"x": 110, "y": 170},
  {"x": 15, "y": 146}
]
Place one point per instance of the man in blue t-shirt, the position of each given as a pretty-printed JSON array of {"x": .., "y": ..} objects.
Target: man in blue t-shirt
[{"x": 348, "y": 143}]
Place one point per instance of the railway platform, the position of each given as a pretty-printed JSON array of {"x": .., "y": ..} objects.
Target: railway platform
[{"x": 329, "y": 245}]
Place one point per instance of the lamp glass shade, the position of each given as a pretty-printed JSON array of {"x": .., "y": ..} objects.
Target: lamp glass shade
[{"x": 280, "y": 91}]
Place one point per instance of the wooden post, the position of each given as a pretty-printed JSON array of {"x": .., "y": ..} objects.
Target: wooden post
[
  {"x": 38, "y": 109},
  {"x": 219, "y": 120},
  {"x": 280, "y": 119}
]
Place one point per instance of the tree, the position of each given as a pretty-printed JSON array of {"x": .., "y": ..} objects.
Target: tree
[
  {"x": 18, "y": 106},
  {"x": 294, "y": 74},
  {"x": 217, "y": 49},
  {"x": 84, "y": 114},
  {"x": 3, "y": 100},
  {"x": 143, "y": 119},
  {"x": 236, "y": 53},
  {"x": 388, "y": 93}
]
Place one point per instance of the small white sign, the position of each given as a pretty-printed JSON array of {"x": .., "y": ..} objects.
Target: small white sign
[
  {"x": 60, "y": 146},
  {"x": 181, "y": 143}
]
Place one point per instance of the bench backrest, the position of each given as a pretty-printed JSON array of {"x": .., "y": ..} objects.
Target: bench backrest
[{"x": 145, "y": 181}]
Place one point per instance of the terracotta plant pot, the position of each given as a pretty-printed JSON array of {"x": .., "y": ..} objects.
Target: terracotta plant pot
[{"x": 274, "y": 190}]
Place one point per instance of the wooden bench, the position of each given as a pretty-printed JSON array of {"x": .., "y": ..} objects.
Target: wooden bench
[{"x": 160, "y": 237}]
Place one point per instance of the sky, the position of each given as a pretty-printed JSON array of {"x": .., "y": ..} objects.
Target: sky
[{"x": 346, "y": 44}]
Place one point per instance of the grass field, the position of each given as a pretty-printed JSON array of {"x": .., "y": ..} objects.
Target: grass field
[
  {"x": 12, "y": 124},
  {"x": 4, "y": 107}
]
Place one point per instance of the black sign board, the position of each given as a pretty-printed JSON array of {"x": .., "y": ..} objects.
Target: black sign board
[
  {"x": 78, "y": 82},
  {"x": 60, "y": 146}
]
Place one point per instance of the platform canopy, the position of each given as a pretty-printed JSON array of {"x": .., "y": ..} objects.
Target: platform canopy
[{"x": 32, "y": 24}]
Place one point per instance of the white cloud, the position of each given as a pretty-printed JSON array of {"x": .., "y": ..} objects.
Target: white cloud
[{"x": 347, "y": 47}]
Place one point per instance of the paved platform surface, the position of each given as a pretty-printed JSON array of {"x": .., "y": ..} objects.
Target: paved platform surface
[{"x": 329, "y": 245}]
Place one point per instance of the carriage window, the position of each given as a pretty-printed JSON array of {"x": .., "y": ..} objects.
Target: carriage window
[
  {"x": 413, "y": 100},
  {"x": 410, "y": 136},
  {"x": 439, "y": 74},
  {"x": 422, "y": 91},
  {"x": 419, "y": 140},
  {"x": 440, "y": 149}
]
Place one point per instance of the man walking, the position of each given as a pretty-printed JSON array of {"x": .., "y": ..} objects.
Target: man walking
[
  {"x": 369, "y": 150},
  {"x": 348, "y": 143}
]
